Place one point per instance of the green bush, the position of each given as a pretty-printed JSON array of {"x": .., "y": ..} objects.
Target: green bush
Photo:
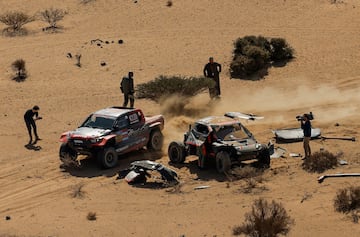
[
  {"x": 164, "y": 86},
  {"x": 265, "y": 220},
  {"x": 254, "y": 54}
]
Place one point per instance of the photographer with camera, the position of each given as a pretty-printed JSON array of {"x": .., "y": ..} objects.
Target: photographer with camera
[
  {"x": 30, "y": 122},
  {"x": 306, "y": 127}
]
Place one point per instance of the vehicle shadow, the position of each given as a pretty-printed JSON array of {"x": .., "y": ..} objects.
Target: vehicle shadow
[
  {"x": 206, "y": 174},
  {"x": 90, "y": 168}
]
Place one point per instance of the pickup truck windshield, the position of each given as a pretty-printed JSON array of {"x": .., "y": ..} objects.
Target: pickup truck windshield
[{"x": 95, "y": 121}]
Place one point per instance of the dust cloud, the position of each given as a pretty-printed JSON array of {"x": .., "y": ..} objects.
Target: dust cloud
[{"x": 328, "y": 104}]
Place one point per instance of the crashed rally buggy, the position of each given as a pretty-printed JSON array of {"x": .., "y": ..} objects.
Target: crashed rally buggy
[
  {"x": 111, "y": 132},
  {"x": 222, "y": 138}
]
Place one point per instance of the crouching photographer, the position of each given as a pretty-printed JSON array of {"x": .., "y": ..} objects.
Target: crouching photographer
[{"x": 306, "y": 127}]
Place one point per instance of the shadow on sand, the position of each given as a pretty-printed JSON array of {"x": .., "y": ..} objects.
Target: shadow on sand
[{"x": 90, "y": 168}]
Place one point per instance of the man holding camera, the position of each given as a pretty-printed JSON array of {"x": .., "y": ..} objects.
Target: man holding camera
[
  {"x": 30, "y": 122},
  {"x": 306, "y": 127}
]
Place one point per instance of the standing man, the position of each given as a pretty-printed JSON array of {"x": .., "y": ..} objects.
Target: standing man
[
  {"x": 306, "y": 127},
  {"x": 212, "y": 70},
  {"x": 30, "y": 122},
  {"x": 127, "y": 88}
]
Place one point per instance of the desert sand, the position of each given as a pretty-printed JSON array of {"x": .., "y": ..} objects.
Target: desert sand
[{"x": 158, "y": 40}]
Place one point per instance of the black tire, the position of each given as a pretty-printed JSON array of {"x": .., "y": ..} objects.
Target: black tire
[
  {"x": 66, "y": 152},
  {"x": 108, "y": 158},
  {"x": 264, "y": 158},
  {"x": 156, "y": 140},
  {"x": 223, "y": 162},
  {"x": 177, "y": 152}
]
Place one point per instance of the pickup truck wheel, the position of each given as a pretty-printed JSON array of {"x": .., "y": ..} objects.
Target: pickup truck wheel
[
  {"x": 108, "y": 157},
  {"x": 264, "y": 158},
  {"x": 156, "y": 140},
  {"x": 223, "y": 162},
  {"x": 177, "y": 152},
  {"x": 66, "y": 152}
]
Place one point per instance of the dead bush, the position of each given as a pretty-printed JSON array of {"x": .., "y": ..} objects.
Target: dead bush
[
  {"x": 246, "y": 172},
  {"x": 265, "y": 220},
  {"x": 19, "y": 67},
  {"x": 169, "y": 3},
  {"x": 77, "y": 191},
  {"x": 165, "y": 86},
  {"x": 86, "y": 1},
  {"x": 347, "y": 199},
  {"x": 320, "y": 161},
  {"x": 15, "y": 22},
  {"x": 52, "y": 16},
  {"x": 91, "y": 216}
]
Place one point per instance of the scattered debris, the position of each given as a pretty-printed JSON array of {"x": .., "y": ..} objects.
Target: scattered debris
[
  {"x": 137, "y": 172},
  {"x": 294, "y": 154},
  {"x": 78, "y": 57},
  {"x": 321, "y": 178},
  {"x": 278, "y": 152},
  {"x": 97, "y": 41},
  {"x": 103, "y": 63},
  {"x": 202, "y": 187},
  {"x": 243, "y": 116},
  {"x": 294, "y": 134},
  {"x": 339, "y": 138},
  {"x": 343, "y": 162},
  {"x": 69, "y": 55}
]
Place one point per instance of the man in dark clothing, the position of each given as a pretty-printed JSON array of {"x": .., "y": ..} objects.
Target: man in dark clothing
[
  {"x": 127, "y": 88},
  {"x": 30, "y": 122},
  {"x": 212, "y": 70},
  {"x": 306, "y": 127}
]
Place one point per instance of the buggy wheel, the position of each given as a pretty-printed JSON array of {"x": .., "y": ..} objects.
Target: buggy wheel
[
  {"x": 66, "y": 152},
  {"x": 108, "y": 157},
  {"x": 177, "y": 152},
  {"x": 223, "y": 162},
  {"x": 156, "y": 140},
  {"x": 264, "y": 158}
]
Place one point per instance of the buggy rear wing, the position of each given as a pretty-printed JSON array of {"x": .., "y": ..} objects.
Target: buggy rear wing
[{"x": 240, "y": 115}]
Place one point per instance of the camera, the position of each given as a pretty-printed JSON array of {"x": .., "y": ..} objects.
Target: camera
[{"x": 301, "y": 117}]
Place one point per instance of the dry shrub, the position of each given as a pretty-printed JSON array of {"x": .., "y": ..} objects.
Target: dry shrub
[
  {"x": 15, "y": 22},
  {"x": 347, "y": 199},
  {"x": 52, "y": 16},
  {"x": 176, "y": 188},
  {"x": 169, "y": 3},
  {"x": 86, "y": 1},
  {"x": 247, "y": 172},
  {"x": 320, "y": 161},
  {"x": 77, "y": 191},
  {"x": 19, "y": 67},
  {"x": 165, "y": 86},
  {"x": 91, "y": 216},
  {"x": 265, "y": 220}
]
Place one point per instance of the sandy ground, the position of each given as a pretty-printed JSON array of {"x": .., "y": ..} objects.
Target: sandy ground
[{"x": 324, "y": 78}]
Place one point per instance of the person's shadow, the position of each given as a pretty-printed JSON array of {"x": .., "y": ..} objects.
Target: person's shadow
[{"x": 32, "y": 146}]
